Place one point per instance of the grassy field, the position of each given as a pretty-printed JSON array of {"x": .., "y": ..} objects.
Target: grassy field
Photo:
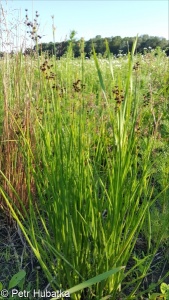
[{"x": 84, "y": 174}]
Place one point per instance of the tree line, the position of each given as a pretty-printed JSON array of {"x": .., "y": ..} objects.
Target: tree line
[{"x": 117, "y": 45}]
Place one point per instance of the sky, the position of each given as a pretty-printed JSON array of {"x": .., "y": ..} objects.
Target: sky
[{"x": 125, "y": 18}]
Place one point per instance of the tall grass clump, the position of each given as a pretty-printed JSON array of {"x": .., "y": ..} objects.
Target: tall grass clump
[{"x": 87, "y": 186}]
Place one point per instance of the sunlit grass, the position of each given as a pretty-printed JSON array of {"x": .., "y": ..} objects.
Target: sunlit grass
[{"x": 77, "y": 165}]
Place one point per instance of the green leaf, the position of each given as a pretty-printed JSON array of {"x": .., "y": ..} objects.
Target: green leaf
[
  {"x": 164, "y": 287},
  {"x": 99, "y": 73},
  {"x": 167, "y": 295},
  {"x": 106, "y": 297},
  {"x": 21, "y": 283},
  {"x": 154, "y": 296},
  {"x": 15, "y": 280},
  {"x": 109, "y": 58},
  {"x": 1, "y": 286},
  {"x": 92, "y": 281}
]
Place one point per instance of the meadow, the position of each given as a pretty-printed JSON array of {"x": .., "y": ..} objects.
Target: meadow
[{"x": 84, "y": 174}]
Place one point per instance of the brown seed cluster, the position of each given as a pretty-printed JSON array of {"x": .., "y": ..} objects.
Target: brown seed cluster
[
  {"x": 46, "y": 69},
  {"x": 78, "y": 86},
  {"x": 33, "y": 26},
  {"x": 59, "y": 89},
  {"x": 118, "y": 95},
  {"x": 137, "y": 127},
  {"x": 147, "y": 98},
  {"x": 136, "y": 66}
]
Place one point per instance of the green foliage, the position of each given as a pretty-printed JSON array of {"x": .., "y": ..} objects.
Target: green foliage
[
  {"x": 93, "y": 281},
  {"x": 164, "y": 293},
  {"x": 1, "y": 118},
  {"x": 95, "y": 175},
  {"x": 17, "y": 280},
  {"x": 116, "y": 44}
]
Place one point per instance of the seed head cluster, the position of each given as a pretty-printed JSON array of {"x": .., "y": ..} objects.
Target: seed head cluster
[
  {"x": 49, "y": 75},
  {"x": 32, "y": 26},
  {"x": 136, "y": 66},
  {"x": 46, "y": 69},
  {"x": 147, "y": 98},
  {"x": 78, "y": 86},
  {"x": 118, "y": 96}
]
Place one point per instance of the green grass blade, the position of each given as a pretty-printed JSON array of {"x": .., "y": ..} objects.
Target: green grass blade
[{"x": 92, "y": 281}]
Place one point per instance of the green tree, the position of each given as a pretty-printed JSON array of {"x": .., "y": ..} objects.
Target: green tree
[{"x": 115, "y": 44}]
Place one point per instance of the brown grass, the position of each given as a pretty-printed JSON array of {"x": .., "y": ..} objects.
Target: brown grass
[{"x": 12, "y": 157}]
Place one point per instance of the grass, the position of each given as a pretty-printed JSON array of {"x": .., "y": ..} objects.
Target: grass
[{"x": 84, "y": 168}]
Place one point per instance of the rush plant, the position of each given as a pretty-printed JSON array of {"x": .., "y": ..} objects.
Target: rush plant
[{"x": 85, "y": 171}]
